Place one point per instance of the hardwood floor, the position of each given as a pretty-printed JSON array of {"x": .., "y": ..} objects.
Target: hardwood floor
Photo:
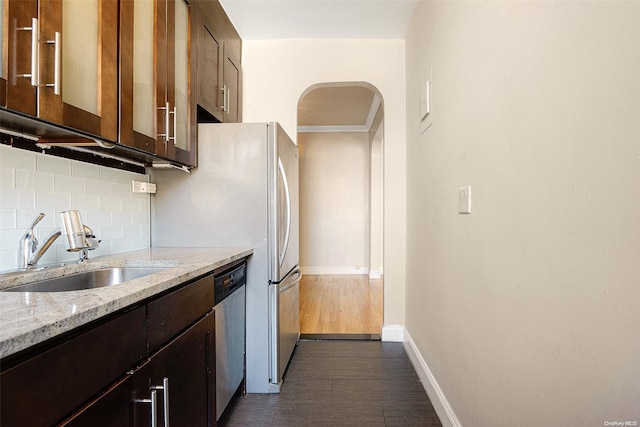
[
  {"x": 340, "y": 304},
  {"x": 340, "y": 384}
]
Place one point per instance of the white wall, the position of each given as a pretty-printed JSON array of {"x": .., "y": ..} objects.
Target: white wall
[
  {"x": 276, "y": 73},
  {"x": 376, "y": 182},
  {"x": 31, "y": 183},
  {"x": 527, "y": 310},
  {"x": 334, "y": 203}
]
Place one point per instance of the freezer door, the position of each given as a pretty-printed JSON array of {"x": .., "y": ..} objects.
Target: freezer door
[
  {"x": 286, "y": 225},
  {"x": 285, "y": 328}
]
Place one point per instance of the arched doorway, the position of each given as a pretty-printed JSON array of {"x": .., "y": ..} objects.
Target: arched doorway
[{"x": 340, "y": 140}]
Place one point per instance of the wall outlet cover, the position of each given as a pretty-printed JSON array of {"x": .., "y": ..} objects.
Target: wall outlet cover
[{"x": 464, "y": 200}]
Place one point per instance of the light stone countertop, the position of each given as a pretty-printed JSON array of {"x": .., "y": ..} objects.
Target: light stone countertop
[{"x": 29, "y": 318}]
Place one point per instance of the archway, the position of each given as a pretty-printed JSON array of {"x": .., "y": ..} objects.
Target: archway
[{"x": 340, "y": 139}]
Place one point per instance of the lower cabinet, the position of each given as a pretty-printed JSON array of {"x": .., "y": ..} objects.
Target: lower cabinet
[
  {"x": 151, "y": 365},
  {"x": 176, "y": 387}
]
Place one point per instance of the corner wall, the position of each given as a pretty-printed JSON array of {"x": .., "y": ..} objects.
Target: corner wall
[
  {"x": 526, "y": 310},
  {"x": 275, "y": 75}
]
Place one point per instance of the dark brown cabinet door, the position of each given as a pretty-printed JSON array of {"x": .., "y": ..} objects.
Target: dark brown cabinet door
[
  {"x": 209, "y": 55},
  {"x": 62, "y": 63},
  {"x": 20, "y": 44},
  {"x": 231, "y": 89},
  {"x": 183, "y": 366},
  {"x": 155, "y": 78},
  {"x": 176, "y": 384}
]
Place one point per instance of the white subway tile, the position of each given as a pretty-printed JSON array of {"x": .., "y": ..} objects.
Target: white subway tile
[
  {"x": 16, "y": 199},
  {"x": 7, "y": 178},
  {"x": 132, "y": 205},
  {"x": 98, "y": 218},
  {"x": 68, "y": 184},
  {"x": 121, "y": 218},
  {"x": 119, "y": 176},
  {"x": 8, "y": 219},
  {"x": 121, "y": 245},
  {"x": 98, "y": 188},
  {"x": 50, "y": 164},
  {"x": 141, "y": 243},
  {"x": 55, "y": 201},
  {"x": 85, "y": 170},
  {"x": 84, "y": 202},
  {"x": 140, "y": 218},
  {"x": 10, "y": 239},
  {"x": 121, "y": 190},
  {"x": 132, "y": 231},
  {"x": 111, "y": 204},
  {"x": 111, "y": 232},
  {"x": 27, "y": 180},
  {"x": 8, "y": 260},
  {"x": 15, "y": 158}
]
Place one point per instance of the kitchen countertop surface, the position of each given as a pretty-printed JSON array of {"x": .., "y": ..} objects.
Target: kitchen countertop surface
[{"x": 29, "y": 318}]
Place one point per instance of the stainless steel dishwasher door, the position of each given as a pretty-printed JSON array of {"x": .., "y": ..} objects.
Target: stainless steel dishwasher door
[{"x": 230, "y": 345}]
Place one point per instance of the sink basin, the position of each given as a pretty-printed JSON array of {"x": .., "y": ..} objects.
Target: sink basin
[{"x": 88, "y": 279}]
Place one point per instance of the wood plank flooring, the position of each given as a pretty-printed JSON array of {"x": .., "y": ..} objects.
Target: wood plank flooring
[
  {"x": 340, "y": 383},
  {"x": 340, "y": 304}
]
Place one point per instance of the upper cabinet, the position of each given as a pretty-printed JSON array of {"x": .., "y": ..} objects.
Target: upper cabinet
[
  {"x": 60, "y": 63},
  {"x": 156, "y": 77},
  {"x": 126, "y": 79},
  {"x": 219, "y": 69}
]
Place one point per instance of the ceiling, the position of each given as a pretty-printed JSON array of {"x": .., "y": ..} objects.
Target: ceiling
[
  {"x": 285, "y": 19},
  {"x": 333, "y": 109},
  {"x": 337, "y": 109}
]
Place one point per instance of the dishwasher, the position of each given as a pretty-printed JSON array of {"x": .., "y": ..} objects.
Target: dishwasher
[{"x": 229, "y": 295}]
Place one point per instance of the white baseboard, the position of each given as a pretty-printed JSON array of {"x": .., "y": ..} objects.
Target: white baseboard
[
  {"x": 374, "y": 274},
  {"x": 392, "y": 333},
  {"x": 439, "y": 401},
  {"x": 333, "y": 270}
]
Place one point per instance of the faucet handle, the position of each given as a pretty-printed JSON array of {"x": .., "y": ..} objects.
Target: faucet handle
[{"x": 29, "y": 233}]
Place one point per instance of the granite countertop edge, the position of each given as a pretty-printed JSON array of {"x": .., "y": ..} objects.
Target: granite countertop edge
[{"x": 30, "y": 318}]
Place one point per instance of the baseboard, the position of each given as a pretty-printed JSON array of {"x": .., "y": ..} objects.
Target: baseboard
[
  {"x": 333, "y": 270},
  {"x": 393, "y": 333},
  {"x": 374, "y": 274},
  {"x": 439, "y": 401}
]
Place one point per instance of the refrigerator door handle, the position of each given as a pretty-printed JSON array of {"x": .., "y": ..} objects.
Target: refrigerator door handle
[{"x": 285, "y": 245}]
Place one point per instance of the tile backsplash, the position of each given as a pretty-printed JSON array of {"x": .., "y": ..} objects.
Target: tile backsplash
[{"x": 31, "y": 183}]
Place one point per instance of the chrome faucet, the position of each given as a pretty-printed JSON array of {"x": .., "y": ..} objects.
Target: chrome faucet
[
  {"x": 79, "y": 238},
  {"x": 29, "y": 254}
]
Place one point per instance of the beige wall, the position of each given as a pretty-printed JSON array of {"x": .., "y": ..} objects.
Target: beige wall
[
  {"x": 276, "y": 73},
  {"x": 334, "y": 203},
  {"x": 527, "y": 310}
]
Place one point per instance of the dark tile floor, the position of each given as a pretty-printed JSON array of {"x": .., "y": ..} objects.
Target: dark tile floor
[{"x": 340, "y": 383}]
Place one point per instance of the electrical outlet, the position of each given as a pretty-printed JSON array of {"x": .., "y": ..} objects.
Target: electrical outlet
[{"x": 143, "y": 187}]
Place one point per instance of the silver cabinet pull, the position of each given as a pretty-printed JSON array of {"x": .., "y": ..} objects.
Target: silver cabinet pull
[
  {"x": 165, "y": 135},
  {"x": 154, "y": 407},
  {"x": 175, "y": 125},
  {"x": 165, "y": 394},
  {"x": 57, "y": 60},
  {"x": 34, "y": 51},
  {"x": 224, "y": 107}
]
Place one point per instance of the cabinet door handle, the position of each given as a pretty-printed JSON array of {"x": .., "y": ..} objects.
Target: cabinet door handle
[
  {"x": 175, "y": 125},
  {"x": 165, "y": 395},
  {"x": 154, "y": 407},
  {"x": 34, "y": 51},
  {"x": 224, "y": 98},
  {"x": 166, "y": 133},
  {"x": 57, "y": 60}
]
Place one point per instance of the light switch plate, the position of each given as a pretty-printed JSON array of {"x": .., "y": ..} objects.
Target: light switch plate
[{"x": 464, "y": 200}]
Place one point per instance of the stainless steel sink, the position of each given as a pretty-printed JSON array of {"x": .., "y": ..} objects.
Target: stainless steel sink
[{"x": 88, "y": 279}]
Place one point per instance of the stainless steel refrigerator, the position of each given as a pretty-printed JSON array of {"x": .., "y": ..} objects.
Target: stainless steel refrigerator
[{"x": 244, "y": 192}]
